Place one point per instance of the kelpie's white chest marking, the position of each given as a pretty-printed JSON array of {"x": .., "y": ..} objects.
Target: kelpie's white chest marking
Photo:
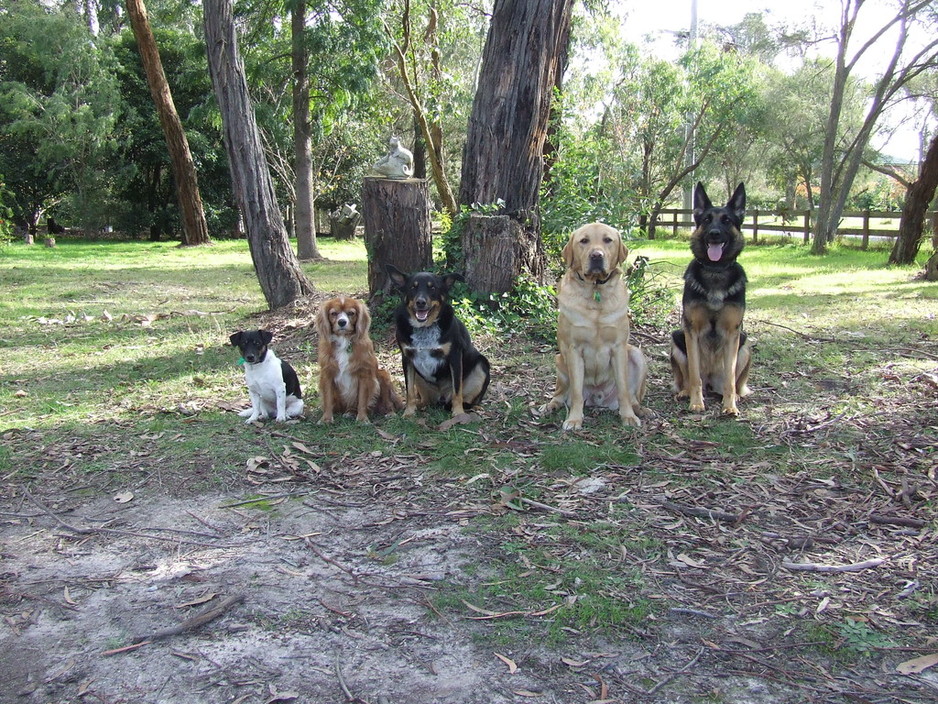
[{"x": 427, "y": 354}]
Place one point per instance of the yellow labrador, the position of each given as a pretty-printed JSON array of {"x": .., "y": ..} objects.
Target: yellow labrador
[{"x": 596, "y": 366}]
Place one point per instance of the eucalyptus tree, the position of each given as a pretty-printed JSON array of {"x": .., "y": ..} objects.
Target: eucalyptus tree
[
  {"x": 714, "y": 90},
  {"x": 58, "y": 107},
  {"x": 906, "y": 45},
  {"x": 278, "y": 271},
  {"x": 502, "y": 162},
  {"x": 194, "y": 227},
  {"x": 309, "y": 63},
  {"x": 432, "y": 66},
  {"x": 798, "y": 104}
]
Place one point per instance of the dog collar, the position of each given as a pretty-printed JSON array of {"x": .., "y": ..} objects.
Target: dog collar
[{"x": 596, "y": 295}]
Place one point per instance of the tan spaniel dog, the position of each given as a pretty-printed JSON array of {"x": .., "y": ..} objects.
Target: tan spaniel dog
[{"x": 349, "y": 376}]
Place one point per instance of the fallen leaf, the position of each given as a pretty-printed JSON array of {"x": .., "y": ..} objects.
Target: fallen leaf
[
  {"x": 256, "y": 464},
  {"x": 690, "y": 562},
  {"x": 68, "y": 598},
  {"x": 461, "y": 419},
  {"x": 19, "y": 393},
  {"x": 303, "y": 448},
  {"x": 574, "y": 663},
  {"x": 512, "y": 667},
  {"x": 200, "y": 600},
  {"x": 916, "y": 665},
  {"x": 526, "y": 693},
  {"x": 124, "y": 497}
]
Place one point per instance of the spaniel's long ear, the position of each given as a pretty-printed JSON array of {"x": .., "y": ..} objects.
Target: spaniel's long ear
[
  {"x": 364, "y": 321},
  {"x": 322, "y": 322}
]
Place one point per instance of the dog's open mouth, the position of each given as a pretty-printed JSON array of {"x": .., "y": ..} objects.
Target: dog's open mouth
[
  {"x": 715, "y": 251},
  {"x": 422, "y": 315}
]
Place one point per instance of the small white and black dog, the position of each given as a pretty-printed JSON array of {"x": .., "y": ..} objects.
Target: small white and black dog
[{"x": 272, "y": 383}]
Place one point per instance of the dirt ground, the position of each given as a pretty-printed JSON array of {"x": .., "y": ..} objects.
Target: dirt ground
[{"x": 102, "y": 584}]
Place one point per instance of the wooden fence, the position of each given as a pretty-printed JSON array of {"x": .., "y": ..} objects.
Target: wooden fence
[{"x": 795, "y": 222}]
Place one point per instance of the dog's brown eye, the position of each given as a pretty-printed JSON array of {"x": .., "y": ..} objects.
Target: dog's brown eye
[
  {"x": 585, "y": 240},
  {"x": 607, "y": 240},
  {"x": 350, "y": 313}
]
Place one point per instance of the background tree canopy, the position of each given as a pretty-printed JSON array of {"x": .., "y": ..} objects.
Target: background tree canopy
[{"x": 80, "y": 140}]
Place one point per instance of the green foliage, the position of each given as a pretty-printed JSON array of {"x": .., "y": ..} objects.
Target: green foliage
[
  {"x": 861, "y": 638},
  {"x": 58, "y": 107},
  {"x": 6, "y": 224},
  {"x": 528, "y": 307}
]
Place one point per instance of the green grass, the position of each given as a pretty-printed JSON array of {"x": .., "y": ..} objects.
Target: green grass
[{"x": 115, "y": 363}]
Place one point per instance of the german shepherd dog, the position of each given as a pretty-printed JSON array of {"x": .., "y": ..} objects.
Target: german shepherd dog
[
  {"x": 440, "y": 363},
  {"x": 711, "y": 351}
]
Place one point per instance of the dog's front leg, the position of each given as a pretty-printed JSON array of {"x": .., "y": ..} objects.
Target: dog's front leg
[
  {"x": 327, "y": 396},
  {"x": 455, "y": 370},
  {"x": 281, "y": 403},
  {"x": 730, "y": 354},
  {"x": 576, "y": 368},
  {"x": 258, "y": 412},
  {"x": 694, "y": 384},
  {"x": 410, "y": 381},
  {"x": 620, "y": 363},
  {"x": 366, "y": 389}
]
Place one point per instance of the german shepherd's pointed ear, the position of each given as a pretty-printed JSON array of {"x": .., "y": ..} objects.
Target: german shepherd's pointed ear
[
  {"x": 737, "y": 204},
  {"x": 701, "y": 203},
  {"x": 398, "y": 278},
  {"x": 450, "y": 279}
]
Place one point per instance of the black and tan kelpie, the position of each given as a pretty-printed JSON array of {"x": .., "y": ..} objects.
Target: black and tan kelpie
[
  {"x": 710, "y": 351},
  {"x": 441, "y": 366}
]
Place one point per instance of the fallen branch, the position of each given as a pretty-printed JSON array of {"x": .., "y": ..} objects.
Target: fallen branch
[
  {"x": 349, "y": 697},
  {"x": 545, "y": 507},
  {"x": 896, "y": 521},
  {"x": 196, "y": 621},
  {"x": 702, "y": 512},
  {"x": 814, "y": 567}
]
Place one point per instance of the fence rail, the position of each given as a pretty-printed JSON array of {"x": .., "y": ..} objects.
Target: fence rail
[{"x": 798, "y": 221}]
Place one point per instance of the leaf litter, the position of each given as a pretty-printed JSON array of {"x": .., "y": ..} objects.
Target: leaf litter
[{"x": 816, "y": 583}]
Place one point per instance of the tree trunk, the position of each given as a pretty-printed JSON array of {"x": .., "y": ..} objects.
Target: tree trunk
[
  {"x": 489, "y": 243},
  {"x": 397, "y": 228},
  {"x": 918, "y": 197},
  {"x": 303, "y": 215},
  {"x": 194, "y": 227},
  {"x": 931, "y": 267},
  {"x": 503, "y": 156},
  {"x": 278, "y": 270}
]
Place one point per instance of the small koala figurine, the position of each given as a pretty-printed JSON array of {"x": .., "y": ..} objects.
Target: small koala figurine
[{"x": 398, "y": 163}]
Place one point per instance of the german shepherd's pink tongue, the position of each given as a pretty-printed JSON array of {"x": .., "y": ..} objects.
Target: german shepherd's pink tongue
[{"x": 715, "y": 251}]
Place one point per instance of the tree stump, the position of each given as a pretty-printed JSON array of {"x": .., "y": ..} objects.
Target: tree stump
[
  {"x": 397, "y": 228},
  {"x": 490, "y": 252},
  {"x": 343, "y": 222}
]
